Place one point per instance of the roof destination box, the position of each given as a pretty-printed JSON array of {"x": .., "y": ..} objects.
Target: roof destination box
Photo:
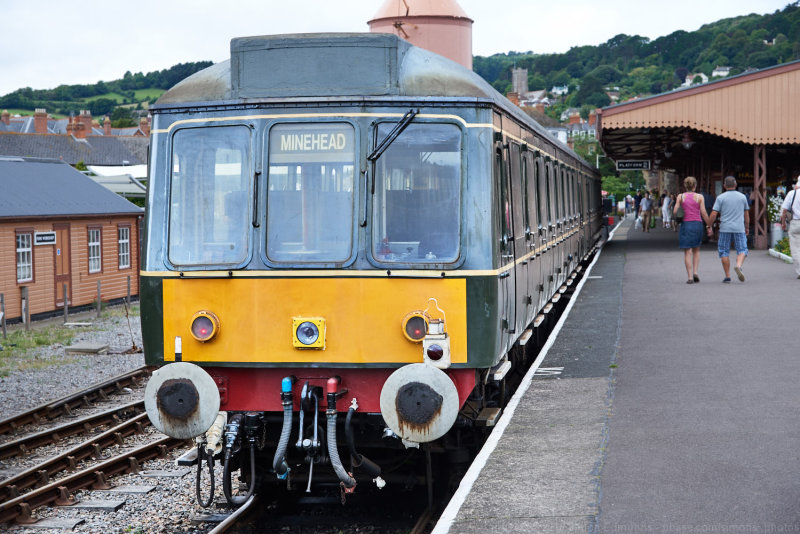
[{"x": 343, "y": 64}]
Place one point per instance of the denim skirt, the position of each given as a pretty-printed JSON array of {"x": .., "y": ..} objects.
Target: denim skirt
[{"x": 691, "y": 234}]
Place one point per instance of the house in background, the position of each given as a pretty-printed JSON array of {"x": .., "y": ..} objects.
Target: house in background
[
  {"x": 689, "y": 81},
  {"x": 721, "y": 72},
  {"x": 73, "y": 140},
  {"x": 59, "y": 227}
]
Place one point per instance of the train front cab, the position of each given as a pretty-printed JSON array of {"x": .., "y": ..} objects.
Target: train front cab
[{"x": 233, "y": 273}]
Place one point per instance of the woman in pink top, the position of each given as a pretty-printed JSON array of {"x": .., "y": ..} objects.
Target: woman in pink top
[{"x": 691, "y": 232}]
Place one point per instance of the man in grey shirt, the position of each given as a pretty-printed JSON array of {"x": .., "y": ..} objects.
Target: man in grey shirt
[{"x": 734, "y": 223}]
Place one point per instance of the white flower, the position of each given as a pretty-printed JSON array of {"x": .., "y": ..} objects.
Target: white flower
[{"x": 774, "y": 208}]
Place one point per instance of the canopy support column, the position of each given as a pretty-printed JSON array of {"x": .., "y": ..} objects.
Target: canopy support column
[{"x": 760, "y": 189}]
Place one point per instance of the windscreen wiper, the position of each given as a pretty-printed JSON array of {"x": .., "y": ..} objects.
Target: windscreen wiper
[{"x": 396, "y": 131}]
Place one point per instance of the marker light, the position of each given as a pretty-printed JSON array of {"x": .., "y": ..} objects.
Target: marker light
[
  {"x": 415, "y": 326},
  {"x": 308, "y": 332},
  {"x": 435, "y": 352},
  {"x": 205, "y": 326}
]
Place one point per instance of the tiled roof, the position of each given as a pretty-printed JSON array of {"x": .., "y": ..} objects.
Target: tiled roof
[
  {"x": 42, "y": 188},
  {"x": 94, "y": 150},
  {"x": 18, "y": 125}
]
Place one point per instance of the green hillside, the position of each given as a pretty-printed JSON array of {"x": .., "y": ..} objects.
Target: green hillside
[
  {"x": 637, "y": 66},
  {"x": 116, "y": 98},
  {"x": 630, "y": 64}
]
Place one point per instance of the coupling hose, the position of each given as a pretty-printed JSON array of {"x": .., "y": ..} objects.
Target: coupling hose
[
  {"x": 226, "y": 479},
  {"x": 333, "y": 453},
  {"x": 210, "y": 461},
  {"x": 279, "y": 462}
]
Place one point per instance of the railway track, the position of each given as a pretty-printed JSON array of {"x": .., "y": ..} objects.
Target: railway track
[
  {"x": 60, "y": 492},
  {"x": 54, "y": 480},
  {"x": 66, "y": 405},
  {"x": 28, "y": 443}
]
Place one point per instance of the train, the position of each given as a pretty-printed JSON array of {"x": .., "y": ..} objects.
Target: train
[{"x": 349, "y": 245}]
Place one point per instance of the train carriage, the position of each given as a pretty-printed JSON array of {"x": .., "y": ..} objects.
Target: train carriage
[{"x": 346, "y": 221}]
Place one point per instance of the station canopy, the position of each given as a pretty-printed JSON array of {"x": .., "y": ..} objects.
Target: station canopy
[{"x": 747, "y": 126}]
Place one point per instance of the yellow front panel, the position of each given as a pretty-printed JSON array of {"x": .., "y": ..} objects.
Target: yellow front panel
[{"x": 363, "y": 318}]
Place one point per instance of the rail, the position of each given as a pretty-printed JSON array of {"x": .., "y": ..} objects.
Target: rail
[
  {"x": 60, "y": 491},
  {"x": 65, "y": 405},
  {"x": 26, "y": 444}
]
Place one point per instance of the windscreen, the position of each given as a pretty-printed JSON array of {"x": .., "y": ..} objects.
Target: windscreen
[
  {"x": 417, "y": 200},
  {"x": 210, "y": 196},
  {"x": 310, "y": 193}
]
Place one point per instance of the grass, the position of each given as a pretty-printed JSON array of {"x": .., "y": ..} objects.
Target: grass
[
  {"x": 146, "y": 94},
  {"x": 116, "y": 97},
  {"x": 16, "y": 356},
  {"x": 19, "y": 347}
]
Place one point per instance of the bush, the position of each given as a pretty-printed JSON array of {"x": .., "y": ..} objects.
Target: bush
[{"x": 782, "y": 246}]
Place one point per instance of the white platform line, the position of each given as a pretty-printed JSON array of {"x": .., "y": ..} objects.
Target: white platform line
[{"x": 464, "y": 488}]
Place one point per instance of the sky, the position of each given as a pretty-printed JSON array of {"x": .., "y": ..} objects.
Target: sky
[{"x": 46, "y": 43}]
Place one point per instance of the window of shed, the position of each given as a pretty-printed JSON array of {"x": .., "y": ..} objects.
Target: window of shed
[
  {"x": 124, "y": 246},
  {"x": 24, "y": 258},
  {"x": 417, "y": 201},
  {"x": 95, "y": 260}
]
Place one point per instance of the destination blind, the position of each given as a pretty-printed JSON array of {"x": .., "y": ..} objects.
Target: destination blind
[{"x": 311, "y": 142}]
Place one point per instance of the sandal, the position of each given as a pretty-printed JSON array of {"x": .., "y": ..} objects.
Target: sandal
[
  {"x": 690, "y": 281},
  {"x": 696, "y": 278},
  {"x": 726, "y": 280}
]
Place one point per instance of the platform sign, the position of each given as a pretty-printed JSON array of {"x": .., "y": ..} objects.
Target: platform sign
[
  {"x": 633, "y": 165},
  {"x": 44, "y": 238}
]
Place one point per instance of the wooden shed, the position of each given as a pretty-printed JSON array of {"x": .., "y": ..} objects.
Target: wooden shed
[{"x": 59, "y": 227}]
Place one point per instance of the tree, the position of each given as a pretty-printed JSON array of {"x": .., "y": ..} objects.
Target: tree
[
  {"x": 101, "y": 106},
  {"x": 121, "y": 118}
]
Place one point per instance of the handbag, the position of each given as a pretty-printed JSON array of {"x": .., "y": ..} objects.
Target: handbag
[
  {"x": 679, "y": 213},
  {"x": 652, "y": 222}
]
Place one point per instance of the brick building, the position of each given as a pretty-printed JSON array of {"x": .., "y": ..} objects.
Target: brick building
[{"x": 59, "y": 227}]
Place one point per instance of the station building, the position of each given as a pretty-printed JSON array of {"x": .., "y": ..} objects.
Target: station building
[
  {"x": 59, "y": 227},
  {"x": 746, "y": 126}
]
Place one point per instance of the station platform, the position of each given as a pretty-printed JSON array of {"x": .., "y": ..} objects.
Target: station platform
[{"x": 658, "y": 406}]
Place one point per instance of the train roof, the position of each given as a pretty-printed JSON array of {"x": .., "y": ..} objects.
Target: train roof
[{"x": 331, "y": 65}]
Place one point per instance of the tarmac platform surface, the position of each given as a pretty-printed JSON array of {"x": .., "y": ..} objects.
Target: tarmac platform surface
[{"x": 660, "y": 406}]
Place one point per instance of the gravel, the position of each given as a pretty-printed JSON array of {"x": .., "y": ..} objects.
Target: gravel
[
  {"x": 58, "y": 374},
  {"x": 170, "y": 506}
]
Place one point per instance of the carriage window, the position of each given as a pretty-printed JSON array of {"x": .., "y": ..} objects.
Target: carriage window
[
  {"x": 526, "y": 216},
  {"x": 547, "y": 195},
  {"x": 310, "y": 193},
  {"x": 417, "y": 200},
  {"x": 210, "y": 196}
]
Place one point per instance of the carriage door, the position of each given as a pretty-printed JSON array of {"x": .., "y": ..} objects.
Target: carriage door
[
  {"x": 539, "y": 238},
  {"x": 530, "y": 221},
  {"x": 62, "y": 256},
  {"x": 506, "y": 276},
  {"x": 581, "y": 227},
  {"x": 549, "y": 231},
  {"x": 518, "y": 218}
]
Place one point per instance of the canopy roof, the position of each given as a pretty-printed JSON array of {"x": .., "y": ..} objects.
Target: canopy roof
[{"x": 756, "y": 108}]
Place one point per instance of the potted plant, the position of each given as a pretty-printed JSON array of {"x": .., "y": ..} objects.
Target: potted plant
[{"x": 774, "y": 217}]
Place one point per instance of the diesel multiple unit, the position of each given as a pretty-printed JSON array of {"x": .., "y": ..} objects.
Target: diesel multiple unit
[{"x": 348, "y": 239}]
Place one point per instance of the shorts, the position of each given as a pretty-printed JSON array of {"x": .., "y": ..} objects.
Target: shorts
[{"x": 724, "y": 243}]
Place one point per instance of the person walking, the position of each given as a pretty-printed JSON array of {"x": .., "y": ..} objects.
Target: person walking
[
  {"x": 666, "y": 205},
  {"x": 645, "y": 208},
  {"x": 637, "y": 201},
  {"x": 733, "y": 210},
  {"x": 691, "y": 232},
  {"x": 673, "y": 220},
  {"x": 790, "y": 221}
]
